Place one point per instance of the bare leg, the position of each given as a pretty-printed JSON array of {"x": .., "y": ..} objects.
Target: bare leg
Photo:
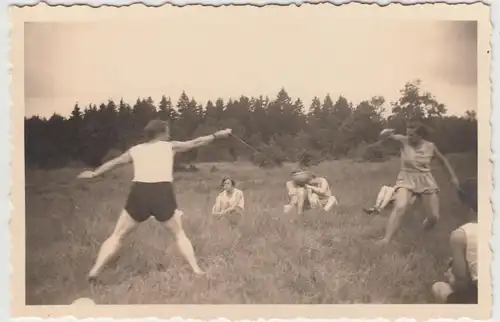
[
  {"x": 301, "y": 198},
  {"x": 174, "y": 225},
  {"x": 112, "y": 245},
  {"x": 432, "y": 204},
  {"x": 332, "y": 201},
  {"x": 387, "y": 194},
  {"x": 289, "y": 207},
  {"x": 380, "y": 197},
  {"x": 402, "y": 197},
  {"x": 384, "y": 197}
]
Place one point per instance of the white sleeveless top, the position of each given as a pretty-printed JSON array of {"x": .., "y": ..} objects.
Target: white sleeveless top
[
  {"x": 153, "y": 162},
  {"x": 470, "y": 230}
]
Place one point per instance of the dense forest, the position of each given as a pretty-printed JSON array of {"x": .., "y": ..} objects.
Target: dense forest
[{"x": 280, "y": 127}]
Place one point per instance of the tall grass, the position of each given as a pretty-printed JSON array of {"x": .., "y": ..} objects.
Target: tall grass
[{"x": 267, "y": 258}]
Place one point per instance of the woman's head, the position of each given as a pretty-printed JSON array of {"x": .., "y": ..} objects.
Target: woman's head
[
  {"x": 416, "y": 131},
  {"x": 157, "y": 129},
  {"x": 228, "y": 184}
]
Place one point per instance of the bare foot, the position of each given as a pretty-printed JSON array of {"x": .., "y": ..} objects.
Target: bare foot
[{"x": 199, "y": 272}]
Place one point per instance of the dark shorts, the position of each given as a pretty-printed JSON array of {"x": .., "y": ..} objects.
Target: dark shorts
[
  {"x": 151, "y": 199},
  {"x": 466, "y": 296}
]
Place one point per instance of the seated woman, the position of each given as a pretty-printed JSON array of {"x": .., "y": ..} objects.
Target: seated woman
[
  {"x": 307, "y": 191},
  {"x": 385, "y": 196},
  {"x": 230, "y": 200},
  {"x": 461, "y": 284},
  {"x": 319, "y": 193}
]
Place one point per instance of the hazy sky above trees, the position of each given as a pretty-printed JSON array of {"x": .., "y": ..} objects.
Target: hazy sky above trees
[{"x": 214, "y": 52}]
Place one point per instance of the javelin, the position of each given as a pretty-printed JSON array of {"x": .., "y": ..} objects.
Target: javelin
[{"x": 248, "y": 145}]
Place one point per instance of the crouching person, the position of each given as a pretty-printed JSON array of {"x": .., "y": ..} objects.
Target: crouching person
[
  {"x": 460, "y": 286},
  {"x": 319, "y": 193},
  {"x": 230, "y": 202},
  {"x": 308, "y": 191}
]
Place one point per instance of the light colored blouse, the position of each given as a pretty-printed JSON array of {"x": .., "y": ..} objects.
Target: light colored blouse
[{"x": 225, "y": 201}]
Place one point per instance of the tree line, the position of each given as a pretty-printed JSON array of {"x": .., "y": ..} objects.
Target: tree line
[{"x": 280, "y": 128}]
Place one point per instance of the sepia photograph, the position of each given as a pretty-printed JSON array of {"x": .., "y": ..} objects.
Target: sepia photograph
[{"x": 300, "y": 155}]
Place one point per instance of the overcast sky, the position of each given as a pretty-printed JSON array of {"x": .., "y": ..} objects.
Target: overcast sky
[{"x": 214, "y": 52}]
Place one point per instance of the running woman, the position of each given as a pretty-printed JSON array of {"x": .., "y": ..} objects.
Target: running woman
[{"x": 415, "y": 177}]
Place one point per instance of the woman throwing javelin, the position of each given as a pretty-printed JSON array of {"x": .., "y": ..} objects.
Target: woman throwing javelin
[
  {"x": 152, "y": 192},
  {"x": 415, "y": 177}
]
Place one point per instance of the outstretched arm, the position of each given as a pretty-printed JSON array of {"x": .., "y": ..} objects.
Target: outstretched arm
[
  {"x": 121, "y": 160},
  {"x": 199, "y": 141},
  {"x": 444, "y": 161},
  {"x": 389, "y": 134}
]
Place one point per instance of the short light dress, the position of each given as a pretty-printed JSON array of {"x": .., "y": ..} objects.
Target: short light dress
[{"x": 415, "y": 174}]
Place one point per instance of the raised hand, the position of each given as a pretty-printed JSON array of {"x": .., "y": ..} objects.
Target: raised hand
[
  {"x": 387, "y": 132},
  {"x": 223, "y": 133}
]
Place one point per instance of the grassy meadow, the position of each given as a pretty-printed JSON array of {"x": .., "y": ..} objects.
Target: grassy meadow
[{"x": 268, "y": 258}]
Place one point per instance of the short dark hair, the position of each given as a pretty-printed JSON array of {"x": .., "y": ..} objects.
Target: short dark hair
[
  {"x": 468, "y": 193},
  {"x": 227, "y": 178},
  {"x": 421, "y": 129},
  {"x": 155, "y": 127}
]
